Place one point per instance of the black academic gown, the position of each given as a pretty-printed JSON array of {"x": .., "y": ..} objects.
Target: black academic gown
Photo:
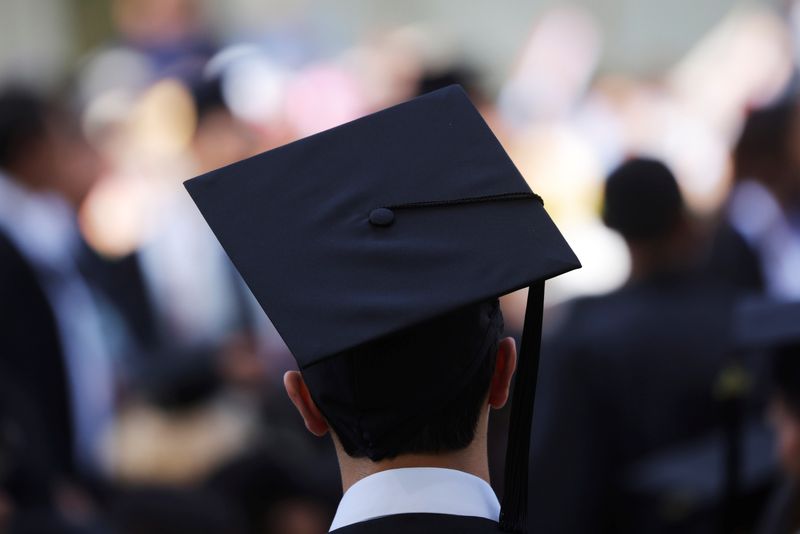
[
  {"x": 31, "y": 356},
  {"x": 422, "y": 524},
  {"x": 782, "y": 515},
  {"x": 624, "y": 375}
]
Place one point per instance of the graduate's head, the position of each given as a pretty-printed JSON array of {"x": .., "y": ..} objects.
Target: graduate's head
[
  {"x": 42, "y": 146},
  {"x": 642, "y": 200},
  {"x": 765, "y": 150},
  {"x": 422, "y": 390},
  {"x": 643, "y": 203},
  {"x": 219, "y": 137},
  {"x": 378, "y": 249},
  {"x": 24, "y": 128}
]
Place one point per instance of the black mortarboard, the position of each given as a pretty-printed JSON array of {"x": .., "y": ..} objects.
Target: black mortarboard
[
  {"x": 765, "y": 323},
  {"x": 365, "y": 230}
]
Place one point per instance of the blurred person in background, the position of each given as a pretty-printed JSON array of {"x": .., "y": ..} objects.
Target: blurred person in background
[
  {"x": 199, "y": 397},
  {"x": 171, "y": 34},
  {"x": 773, "y": 327},
  {"x": 630, "y": 373},
  {"x": 59, "y": 335},
  {"x": 172, "y": 510},
  {"x": 758, "y": 246},
  {"x": 26, "y": 491},
  {"x": 220, "y": 138},
  {"x": 199, "y": 298},
  {"x": 274, "y": 493}
]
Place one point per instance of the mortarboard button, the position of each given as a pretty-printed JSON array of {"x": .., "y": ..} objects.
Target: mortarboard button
[{"x": 381, "y": 217}]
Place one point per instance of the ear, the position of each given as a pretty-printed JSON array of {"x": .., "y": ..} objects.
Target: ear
[
  {"x": 504, "y": 369},
  {"x": 301, "y": 398}
]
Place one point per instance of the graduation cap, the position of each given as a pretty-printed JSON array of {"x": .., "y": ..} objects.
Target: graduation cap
[{"x": 356, "y": 234}]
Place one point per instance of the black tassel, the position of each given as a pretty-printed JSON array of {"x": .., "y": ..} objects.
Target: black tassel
[{"x": 514, "y": 512}]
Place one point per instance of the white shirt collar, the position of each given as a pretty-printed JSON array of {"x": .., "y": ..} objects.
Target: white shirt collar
[{"x": 416, "y": 490}]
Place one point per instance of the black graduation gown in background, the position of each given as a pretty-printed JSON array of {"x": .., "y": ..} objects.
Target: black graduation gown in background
[
  {"x": 121, "y": 281},
  {"x": 422, "y": 524},
  {"x": 782, "y": 515},
  {"x": 624, "y": 375},
  {"x": 31, "y": 357}
]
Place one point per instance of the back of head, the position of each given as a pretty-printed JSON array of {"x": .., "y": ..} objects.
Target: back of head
[
  {"x": 23, "y": 122},
  {"x": 764, "y": 144},
  {"x": 418, "y": 391},
  {"x": 642, "y": 200},
  {"x": 208, "y": 97}
]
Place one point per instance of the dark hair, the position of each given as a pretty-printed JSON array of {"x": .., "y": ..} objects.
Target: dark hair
[
  {"x": 208, "y": 97},
  {"x": 23, "y": 120},
  {"x": 420, "y": 390},
  {"x": 765, "y": 141},
  {"x": 642, "y": 200},
  {"x": 450, "y": 427},
  {"x": 456, "y": 74}
]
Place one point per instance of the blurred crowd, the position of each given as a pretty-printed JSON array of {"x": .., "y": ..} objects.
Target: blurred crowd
[{"x": 140, "y": 382}]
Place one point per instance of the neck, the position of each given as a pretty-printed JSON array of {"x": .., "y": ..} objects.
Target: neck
[
  {"x": 673, "y": 254},
  {"x": 473, "y": 460}
]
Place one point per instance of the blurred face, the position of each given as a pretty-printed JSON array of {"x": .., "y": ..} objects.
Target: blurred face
[
  {"x": 221, "y": 139},
  {"x": 61, "y": 160},
  {"x": 76, "y": 165},
  {"x": 787, "y": 428},
  {"x": 155, "y": 21}
]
